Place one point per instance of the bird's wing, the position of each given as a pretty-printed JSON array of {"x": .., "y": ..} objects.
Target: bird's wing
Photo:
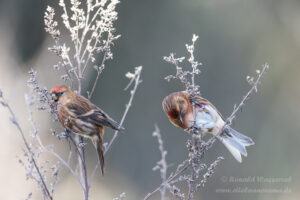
[
  {"x": 88, "y": 112},
  {"x": 98, "y": 117},
  {"x": 201, "y": 100},
  {"x": 79, "y": 106},
  {"x": 112, "y": 121}
]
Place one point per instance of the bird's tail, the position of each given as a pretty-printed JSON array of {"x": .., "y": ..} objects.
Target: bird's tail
[
  {"x": 98, "y": 143},
  {"x": 235, "y": 142}
]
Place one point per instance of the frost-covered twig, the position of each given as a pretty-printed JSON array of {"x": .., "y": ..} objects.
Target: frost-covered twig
[
  {"x": 91, "y": 26},
  {"x": 40, "y": 178},
  {"x": 30, "y": 101},
  {"x": 180, "y": 170},
  {"x": 196, "y": 146},
  {"x": 42, "y": 102},
  {"x": 210, "y": 171},
  {"x": 254, "y": 84},
  {"x": 92, "y": 31},
  {"x": 121, "y": 197},
  {"x": 134, "y": 77},
  {"x": 161, "y": 165}
]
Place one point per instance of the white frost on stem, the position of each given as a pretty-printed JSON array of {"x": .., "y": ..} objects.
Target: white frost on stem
[
  {"x": 196, "y": 146},
  {"x": 161, "y": 165}
]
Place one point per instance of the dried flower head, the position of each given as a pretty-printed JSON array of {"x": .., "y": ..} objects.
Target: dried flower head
[
  {"x": 50, "y": 23},
  {"x": 187, "y": 77}
]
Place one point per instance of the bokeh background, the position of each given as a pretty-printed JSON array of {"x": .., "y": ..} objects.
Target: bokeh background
[{"x": 235, "y": 38}]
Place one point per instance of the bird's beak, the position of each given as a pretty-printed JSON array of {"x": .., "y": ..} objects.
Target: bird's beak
[{"x": 54, "y": 97}]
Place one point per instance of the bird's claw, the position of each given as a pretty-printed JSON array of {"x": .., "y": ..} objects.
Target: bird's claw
[{"x": 195, "y": 130}]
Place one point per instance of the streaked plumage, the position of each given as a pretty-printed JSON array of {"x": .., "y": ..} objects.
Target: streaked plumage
[
  {"x": 179, "y": 109},
  {"x": 82, "y": 117}
]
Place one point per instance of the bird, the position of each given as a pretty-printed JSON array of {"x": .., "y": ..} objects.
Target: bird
[
  {"x": 79, "y": 115},
  {"x": 179, "y": 108}
]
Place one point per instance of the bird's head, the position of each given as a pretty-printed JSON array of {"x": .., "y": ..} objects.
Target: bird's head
[
  {"x": 59, "y": 92},
  {"x": 175, "y": 106}
]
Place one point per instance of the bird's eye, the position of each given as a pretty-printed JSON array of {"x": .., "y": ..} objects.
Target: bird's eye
[
  {"x": 59, "y": 94},
  {"x": 55, "y": 96}
]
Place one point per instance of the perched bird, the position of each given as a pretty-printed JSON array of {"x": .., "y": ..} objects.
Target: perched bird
[
  {"x": 82, "y": 117},
  {"x": 179, "y": 108}
]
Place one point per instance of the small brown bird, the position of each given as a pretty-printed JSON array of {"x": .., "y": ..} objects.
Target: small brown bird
[
  {"x": 82, "y": 117},
  {"x": 179, "y": 108}
]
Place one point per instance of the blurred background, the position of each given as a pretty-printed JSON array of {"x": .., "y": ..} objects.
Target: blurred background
[{"x": 235, "y": 38}]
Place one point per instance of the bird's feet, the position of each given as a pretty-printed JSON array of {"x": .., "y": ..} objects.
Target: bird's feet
[{"x": 195, "y": 130}]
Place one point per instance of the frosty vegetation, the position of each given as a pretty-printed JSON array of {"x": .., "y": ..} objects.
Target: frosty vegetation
[
  {"x": 90, "y": 25},
  {"x": 193, "y": 171}
]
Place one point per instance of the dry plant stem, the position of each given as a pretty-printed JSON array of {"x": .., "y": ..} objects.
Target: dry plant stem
[
  {"x": 193, "y": 90},
  {"x": 191, "y": 186},
  {"x": 68, "y": 63},
  {"x": 81, "y": 22},
  {"x": 90, "y": 55},
  {"x": 121, "y": 196},
  {"x": 128, "y": 105},
  {"x": 62, "y": 161},
  {"x": 82, "y": 166},
  {"x": 137, "y": 81},
  {"x": 15, "y": 122},
  {"x": 65, "y": 163},
  {"x": 241, "y": 104},
  {"x": 193, "y": 162},
  {"x": 194, "y": 159},
  {"x": 171, "y": 178},
  {"x": 79, "y": 140},
  {"x": 192, "y": 183},
  {"x": 253, "y": 88},
  {"x": 212, "y": 139},
  {"x": 196, "y": 146},
  {"x": 161, "y": 165},
  {"x": 99, "y": 71},
  {"x": 192, "y": 180}
]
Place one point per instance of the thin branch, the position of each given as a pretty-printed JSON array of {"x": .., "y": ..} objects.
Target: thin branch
[
  {"x": 82, "y": 165},
  {"x": 161, "y": 165},
  {"x": 210, "y": 171},
  {"x": 81, "y": 26},
  {"x": 99, "y": 71},
  {"x": 16, "y": 123},
  {"x": 91, "y": 51},
  {"x": 136, "y": 78},
  {"x": 196, "y": 146},
  {"x": 79, "y": 139},
  {"x": 253, "y": 88},
  {"x": 171, "y": 178},
  {"x": 65, "y": 163},
  {"x": 241, "y": 104},
  {"x": 195, "y": 140},
  {"x": 128, "y": 105},
  {"x": 51, "y": 151}
]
